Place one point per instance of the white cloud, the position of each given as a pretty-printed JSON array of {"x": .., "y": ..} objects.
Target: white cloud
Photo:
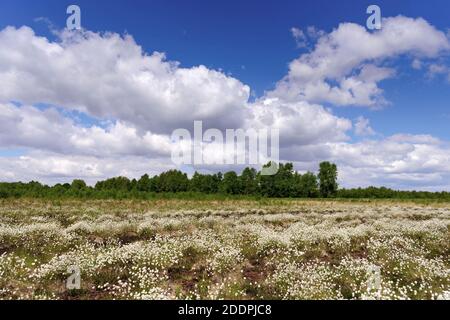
[
  {"x": 435, "y": 69},
  {"x": 110, "y": 76},
  {"x": 363, "y": 128},
  {"x": 146, "y": 96},
  {"x": 299, "y": 123},
  {"x": 300, "y": 37},
  {"x": 397, "y": 164},
  {"x": 314, "y": 33},
  {"x": 54, "y": 168},
  {"x": 327, "y": 74},
  {"x": 417, "y": 64},
  {"x": 48, "y": 130},
  {"x": 400, "y": 161}
]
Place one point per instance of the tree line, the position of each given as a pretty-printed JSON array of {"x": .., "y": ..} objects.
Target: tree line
[{"x": 286, "y": 183}]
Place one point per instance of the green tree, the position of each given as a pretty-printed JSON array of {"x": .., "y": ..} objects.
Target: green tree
[
  {"x": 328, "y": 179},
  {"x": 266, "y": 183},
  {"x": 115, "y": 184},
  {"x": 78, "y": 184},
  {"x": 133, "y": 185},
  {"x": 306, "y": 185},
  {"x": 196, "y": 182},
  {"x": 143, "y": 183},
  {"x": 230, "y": 183},
  {"x": 279, "y": 185},
  {"x": 205, "y": 183},
  {"x": 248, "y": 182},
  {"x": 172, "y": 181},
  {"x": 284, "y": 180}
]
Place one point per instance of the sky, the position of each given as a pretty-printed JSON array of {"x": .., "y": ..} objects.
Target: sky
[{"x": 103, "y": 101}]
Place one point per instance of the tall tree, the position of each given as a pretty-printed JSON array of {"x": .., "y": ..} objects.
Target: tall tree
[
  {"x": 143, "y": 183},
  {"x": 118, "y": 183},
  {"x": 306, "y": 185},
  {"x": 205, "y": 183},
  {"x": 277, "y": 185},
  {"x": 284, "y": 180},
  {"x": 328, "y": 179},
  {"x": 248, "y": 181},
  {"x": 77, "y": 184},
  {"x": 230, "y": 183},
  {"x": 173, "y": 181}
]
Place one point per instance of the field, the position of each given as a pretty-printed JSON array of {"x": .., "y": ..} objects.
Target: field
[{"x": 267, "y": 249}]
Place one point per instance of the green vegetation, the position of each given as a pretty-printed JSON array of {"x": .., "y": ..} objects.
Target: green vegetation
[
  {"x": 328, "y": 179},
  {"x": 246, "y": 249},
  {"x": 250, "y": 184}
]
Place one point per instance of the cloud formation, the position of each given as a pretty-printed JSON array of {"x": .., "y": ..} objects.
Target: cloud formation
[
  {"x": 363, "y": 128},
  {"x": 143, "y": 97},
  {"x": 342, "y": 67},
  {"x": 49, "y": 130},
  {"x": 107, "y": 75}
]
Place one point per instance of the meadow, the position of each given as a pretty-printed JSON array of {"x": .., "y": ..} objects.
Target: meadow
[{"x": 224, "y": 249}]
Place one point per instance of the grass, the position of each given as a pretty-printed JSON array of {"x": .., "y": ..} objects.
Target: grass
[{"x": 225, "y": 249}]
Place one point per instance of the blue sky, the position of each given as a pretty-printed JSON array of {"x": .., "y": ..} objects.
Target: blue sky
[{"x": 250, "y": 41}]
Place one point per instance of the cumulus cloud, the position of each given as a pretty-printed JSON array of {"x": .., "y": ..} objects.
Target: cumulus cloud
[
  {"x": 417, "y": 64},
  {"x": 435, "y": 69},
  {"x": 303, "y": 39},
  {"x": 327, "y": 74},
  {"x": 397, "y": 161},
  {"x": 300, "y": 37},
  {"x": 363, "y": 128},
  {"x": 54, "y": 168},
  {"x": 314, "y": 33},
  {"x": 299, "y": 123},
  {"x": 30, "y": 127},
  {"x": 107, "y": 75},
  {"x": 144, "y": 97}
]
